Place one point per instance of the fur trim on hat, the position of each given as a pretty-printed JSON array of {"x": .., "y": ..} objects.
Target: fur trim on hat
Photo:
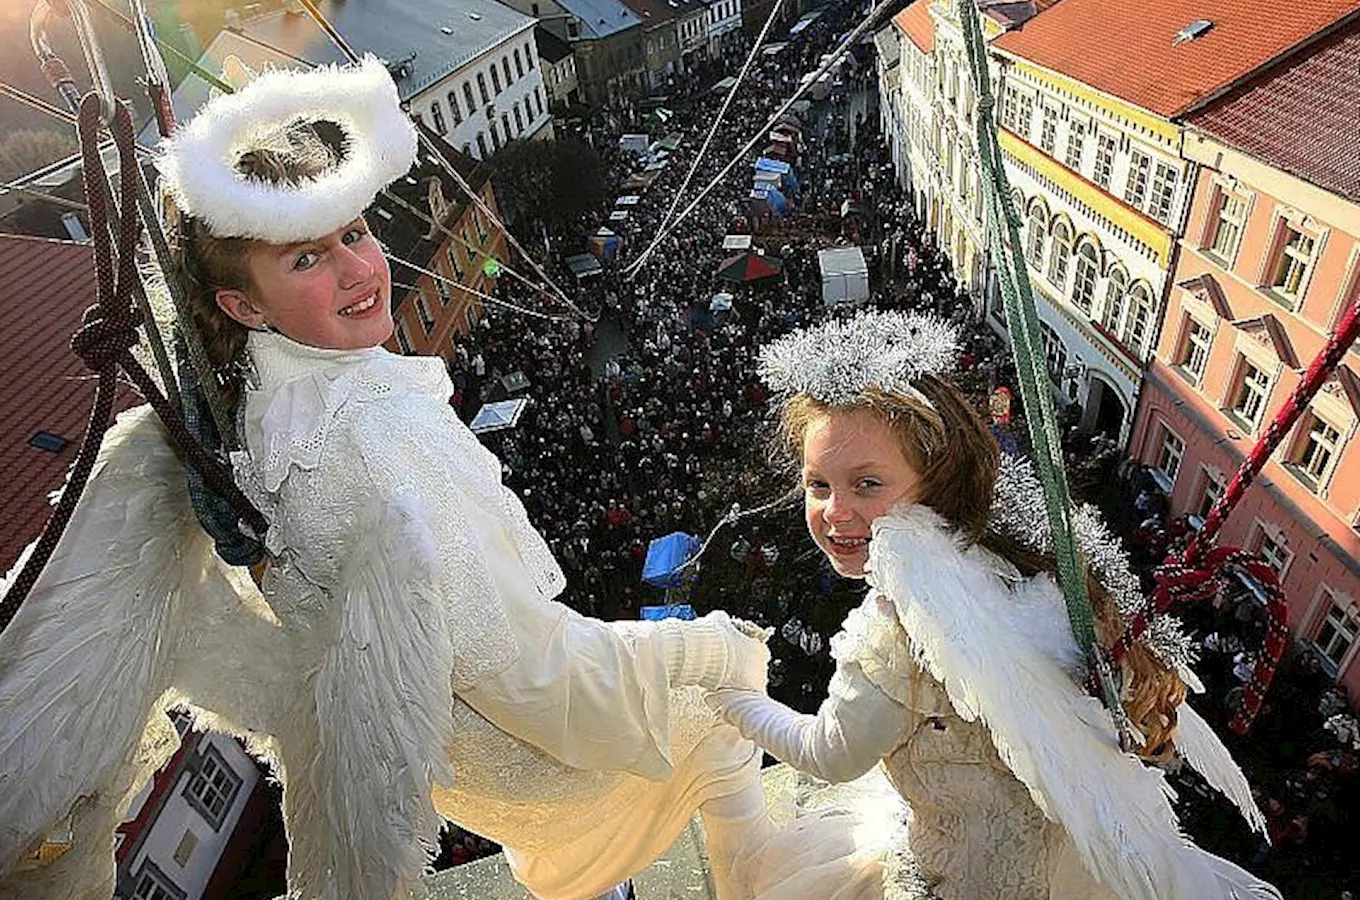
[{"x": 198, "y": 163}]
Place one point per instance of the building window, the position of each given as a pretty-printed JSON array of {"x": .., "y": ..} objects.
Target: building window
[
  {"x": 1271, "y": 547},
  {"x": 1104, "y": 171},
  {"x": 153, "y": 884},
  {"x": 1138, "y": 323},
  {"x": 1169, "y": 454},
  {"x": 481, "y": 145},
  {"x": 426, "y": 320},
  {"x": 1088, "y": 270},
  {"x": 505, "y": 126},
  {"x": 437, "y": 113},
  {"x": 1076, "y": 138},
  {"x": 403, "y": 340},
  {"x": 1048, "y": 130},
  {"x": 1055, "y": 354},
  {"x": 529, "y": 57},
  {"x": 481, "y": 88},
  {"x": 1135, "y": 191},
  {"x": 519, "y": 119},
  {"x": 1025, "y": 114},
  {"x": 441, "y": 288},
  {"x": 1059, "y": 256},
  {"x": 495, "y": 79},
  {"x": 1338, "y": 630},
  {"x": 212, "y": 788},
  {"x": 1194, "y": 353},
  {"x": 495, "y": 137},
  {"x": 1163, "y": 192},
  {"x": 455, "y": 266},
  {"x": 505, "y": 67},
  {"x": 519, "y": 64},
  {"x": 1250, "y": 393},
  {"x": 467, "y": 95},
  {"x": 481, "y": 227},
  {"x": 1116, "y": 293},
  {"x": 454, "y": 112},
  {"x": 1228, "y": 229},
  {"x": 1038, "y": 232},
  {"x": 1295, "y": 255},
  {"x": 1315, "y": 450},
  {"x": 1210, "y": 493},
  {"x": 1011, "y": 108}
]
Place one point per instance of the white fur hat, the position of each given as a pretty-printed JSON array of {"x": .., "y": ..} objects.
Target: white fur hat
[{"x": 198, "y": 163}]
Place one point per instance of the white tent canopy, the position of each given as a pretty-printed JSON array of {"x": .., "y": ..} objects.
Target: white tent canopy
[
  {"x": 498, "y": 416},
  {"x": 845, "y": 275}
]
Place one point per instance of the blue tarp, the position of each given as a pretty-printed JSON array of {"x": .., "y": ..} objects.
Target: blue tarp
[
  {"x": 665, "y": 555},
  {"x": 670, "y": 611}
]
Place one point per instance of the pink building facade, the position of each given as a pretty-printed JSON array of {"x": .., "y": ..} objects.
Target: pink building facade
[{"x": 1269, "y": 262}]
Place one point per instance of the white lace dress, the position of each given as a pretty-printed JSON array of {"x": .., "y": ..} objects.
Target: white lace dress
[
  {"x": 566, "y": 741},
  {"x": 963, "y": 679}
]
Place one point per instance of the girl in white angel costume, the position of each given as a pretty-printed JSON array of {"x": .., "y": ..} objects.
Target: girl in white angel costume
[
  {"x": 959, "y": 671},
  {"x": 405, "y": 660}
]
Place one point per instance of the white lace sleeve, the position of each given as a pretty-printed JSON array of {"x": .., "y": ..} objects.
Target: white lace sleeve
[{"x": 871, "y": 638}]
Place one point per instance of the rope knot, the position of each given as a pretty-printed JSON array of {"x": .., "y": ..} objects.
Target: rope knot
[{"x": 101, "y": 341}]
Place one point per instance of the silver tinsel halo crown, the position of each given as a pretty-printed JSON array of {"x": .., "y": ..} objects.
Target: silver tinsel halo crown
[
  {"x": 837, "y": 361},
  {"x": 1019, "y": 511}
]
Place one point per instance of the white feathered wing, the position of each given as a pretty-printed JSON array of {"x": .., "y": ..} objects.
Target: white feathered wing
[
  {"x": 993, "y": 650},
  {"x": 86, "y": 662}
]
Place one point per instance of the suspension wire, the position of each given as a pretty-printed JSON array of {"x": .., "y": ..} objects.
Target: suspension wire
[
  {"x": 485, "y": 298},
  {"x": 735, "y": 515},
  {"x": 630, "y": 272},
  {"x": 6, "y": 187},
  {"x": 459, "y": 239},
  {"x": 164, "y": 47},
  {"x": 56, "y": 112},
  {"x": 343, "y": 45},
  {"x": 727, "y": 101}
]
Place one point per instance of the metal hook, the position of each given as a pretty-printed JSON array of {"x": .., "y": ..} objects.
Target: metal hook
[{"x": 58, "y": 75}]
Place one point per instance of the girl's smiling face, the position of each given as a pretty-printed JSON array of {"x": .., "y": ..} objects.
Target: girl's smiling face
[
  {"x": 854, "y": 471},
  {"x": 334, "y": 292}
]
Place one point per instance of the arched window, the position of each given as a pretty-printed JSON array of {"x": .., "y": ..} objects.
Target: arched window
[
  {"x": 1138, "y": 322},
  {"x": 1038, "y": 233},
  {"x": 437, "y": 113},
  {"x": 1055, "y": 354},
  {"x": 454, "y": 111},
  {"x": 1088, "y": 270},
  {"x": 1060, "y": 256},
  {"x": 1116, "y": 294}
]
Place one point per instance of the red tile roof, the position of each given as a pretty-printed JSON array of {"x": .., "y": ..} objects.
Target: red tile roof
[
  {"x": 1302, "y": 116},
  {"x": 915, "y": 23},
  {"x": 1124, "y": 47},
  {"x": 45, "y": 285}
]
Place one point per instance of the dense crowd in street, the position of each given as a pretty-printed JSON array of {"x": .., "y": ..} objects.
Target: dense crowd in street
[{"x": 651, "y": 420}]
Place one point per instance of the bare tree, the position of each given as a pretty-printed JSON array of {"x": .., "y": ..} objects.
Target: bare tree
[{"x": 26, "y": 151}]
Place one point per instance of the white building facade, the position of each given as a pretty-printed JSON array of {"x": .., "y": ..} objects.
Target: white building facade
[
  {"x": 723, "y": 21},
  {"x": 495, "y": 97},
  {"x": 1101, "y": 189}
]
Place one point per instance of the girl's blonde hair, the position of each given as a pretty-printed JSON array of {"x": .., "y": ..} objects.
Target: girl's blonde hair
[{"x": 957, "y": 458}]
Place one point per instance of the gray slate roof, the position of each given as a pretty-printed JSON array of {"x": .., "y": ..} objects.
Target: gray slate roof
[
  {"x": 410, "y": 31},
  {"x": 601, "y": 18}
]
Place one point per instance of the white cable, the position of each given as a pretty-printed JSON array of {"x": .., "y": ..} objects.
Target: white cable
[
  {"x": 631, "y": 270},
  {"x": 734, "y": 516},
  {"x": 732, "y": 92},
  {"x": 486, "y": 298}
]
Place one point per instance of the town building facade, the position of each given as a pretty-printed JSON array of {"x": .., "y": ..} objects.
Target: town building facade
[
  {"x": 1269, "y": 262},
  {"x": 559, "y": 69},
  {"x": 723, "y": 21},
  {"x": 607, "y": 41}
]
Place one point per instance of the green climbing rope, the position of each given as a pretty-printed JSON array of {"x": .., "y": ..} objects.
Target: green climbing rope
[{"x": 1022, "y": 323}]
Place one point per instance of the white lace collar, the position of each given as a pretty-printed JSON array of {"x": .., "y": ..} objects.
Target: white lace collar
[{"x": 298, "y": 390}]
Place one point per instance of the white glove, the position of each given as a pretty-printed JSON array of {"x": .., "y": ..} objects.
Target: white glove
[
  {"x": 715, "y": 651},
  {"x": 856, "y": 726}
]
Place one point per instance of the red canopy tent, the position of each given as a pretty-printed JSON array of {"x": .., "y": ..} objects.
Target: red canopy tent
[{"x": 749, "y": 267}]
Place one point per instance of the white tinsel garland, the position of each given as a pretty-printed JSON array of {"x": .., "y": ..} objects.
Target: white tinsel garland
[
  {"x": 1019, "y": 511},
  {"x": 836, "y": 361}
]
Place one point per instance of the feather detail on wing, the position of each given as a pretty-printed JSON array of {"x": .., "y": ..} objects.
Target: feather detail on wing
[
  {"x": 84, "y": 664},
  {"x": 1205, "y": 753},
  {"x": 977, "y": 637},
  {"x": 385, "y": 710}
]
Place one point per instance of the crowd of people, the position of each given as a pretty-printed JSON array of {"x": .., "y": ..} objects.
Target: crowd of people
[{"x": 651, "y": 420}]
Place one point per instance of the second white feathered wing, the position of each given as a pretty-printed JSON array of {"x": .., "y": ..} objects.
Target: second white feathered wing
[
  {"x": 86, "y": 663},
  {"x": 1004, "y": 657}
]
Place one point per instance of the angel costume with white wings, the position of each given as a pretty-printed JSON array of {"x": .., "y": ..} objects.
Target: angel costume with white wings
[
  {"x": 963, "y": 679},
  {"x": 406, "y": 661}
]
